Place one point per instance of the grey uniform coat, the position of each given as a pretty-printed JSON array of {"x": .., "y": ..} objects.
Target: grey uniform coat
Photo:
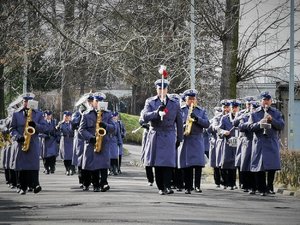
[
  {"x": 92, "y": 160},
  {"x": 66, "y": 141},
  {"x": 265, "y": 148},
  {"x": 228, "y": 152},
  {"x": 160, "y": 146},
  {"x": 192, "y": 150},
  {"x": 29, "y": 160}
]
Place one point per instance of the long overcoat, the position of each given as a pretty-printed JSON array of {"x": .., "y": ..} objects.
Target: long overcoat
[
  {"x": 66, "y": 140},
  {"x": 246, "y": 143},
  {"x": 192, "y": 150},
  {"x": 265, "y": 148},
  {"x": 228, "y": 152},
  {"x": 29, "y": 160},
  {"x": 212, "y": 129},
  {"x": 160, "y": 146},
  {"x": 92, "y": 160},
  {"x": 78, "y": 142},
  {"x": 48, "y": 140},
  {"x": 115, "y": 142}
]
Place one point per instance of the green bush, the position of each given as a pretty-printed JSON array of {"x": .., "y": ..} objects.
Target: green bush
[
  {"x": 289, "y": 175},
  {"x": 131, "y": 122}
]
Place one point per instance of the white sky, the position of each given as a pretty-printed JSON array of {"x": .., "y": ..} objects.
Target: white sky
[{"x": 251, "y": 10}]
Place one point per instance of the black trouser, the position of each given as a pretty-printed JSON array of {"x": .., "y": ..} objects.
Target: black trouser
[
  {"x": 270, "y": 180},
  {"x": 13, "y": 177},
  {"x": 49, "y": 163},
  {"x": 91, "y": 176},
  {"x": 260, "y": 180},
  {"x": 119, "y": 163},
  {"x": 68, "y": 165},
  {"x": 217, "y": 175},
  {"x": 103, "y": 177},
  {"x": 163, "y": 176},
  {"x": 114, "y": 165},
  {"x": 198, "y": 174},
  {"x": 177, "y": 178},
  {"x": 80, "y": 179},
  {"x": 228, "y": 176},
  {"x": 188, "y": 178},
  {"x": 248, "y": 180},
  {"x": 6, "y": 172},
  {"x": 241, "y": 178},
  {"x": 149, "y": 174},
  {"x": 28, "y": 178}
]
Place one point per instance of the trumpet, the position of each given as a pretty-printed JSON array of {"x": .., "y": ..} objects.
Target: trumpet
[
  {"x": 264, "y": 124},
  {"x": 28, "y": 131}
]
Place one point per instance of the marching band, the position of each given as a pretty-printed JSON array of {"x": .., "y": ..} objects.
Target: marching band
[{"x": 240, "y": 142}]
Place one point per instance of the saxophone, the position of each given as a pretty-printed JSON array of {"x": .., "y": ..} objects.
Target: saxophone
[
  {"x": 189, "y": 121},
  {"x": 99, "y": 133},
  {"x": 28, "y": 131}
]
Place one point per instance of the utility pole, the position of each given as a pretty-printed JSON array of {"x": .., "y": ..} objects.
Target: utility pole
[
  {"x": 291, "y": 83},
  {"x": 192, "y": 62},
  {"x": 26, "y": 40}
]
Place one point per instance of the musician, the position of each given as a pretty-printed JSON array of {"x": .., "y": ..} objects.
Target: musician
[
  {"x": 123, "y": 134},
  {"x": 165, "y": 135},
  {"x": 115, "y": 144},
  {"x": 212, "y": 158},
  {"x": 265, "y": 123},
  {"x": 84, "y": 103},
  {"x": 27, "y": 163},
  {"x": 49, "y": 146},
  {"x": 220, "y": 139},
  {"x": 229, "y": 133},
  {"x": 237, "y": 120},
  {"x": 191, "y": 154},
  {"x": 66, "y": 142},
  {"x": 95, "y": 162},
  {"x": 148, "y": 169},
  {"x": 246, "y": 137}
]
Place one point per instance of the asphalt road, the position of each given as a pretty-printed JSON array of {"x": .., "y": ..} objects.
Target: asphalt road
[{"x": 131, "y": 201}]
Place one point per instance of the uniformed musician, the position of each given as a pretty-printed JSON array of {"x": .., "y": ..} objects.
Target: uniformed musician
[
  {"x": 26, "y": 162},
  {"x": 192, "y": 152},
  {"x": 66, "y": 142},
  {"x": 49, "y": 146},
  {"x": 165, "y": 135},
  {"x": 229, "y": 133},
  {"x": 94, "y": 162},
  {"x": 266, "y": 123}
]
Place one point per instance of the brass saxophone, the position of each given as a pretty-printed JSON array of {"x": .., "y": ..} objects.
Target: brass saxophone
[
  {"x": 99, "y": 133},
  {"x": 28, "y": 131},
  {"x": 189, "y": 121}
]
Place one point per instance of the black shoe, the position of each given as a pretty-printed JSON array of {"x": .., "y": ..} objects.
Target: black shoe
[
  {"x": 150, "y": 184},
  {"x": 119, "y": 172},
  {"x": 161, "y": 192},
  {"x": 105, "y": 188},
  {"x": 231, "y": 188},
  {"x": 169, "y": 191},
  {"x": 252, "y": 193},
  {"x": 22, "y": 192},
  {"x": 263, "y": 194},
  {"x": 271, "y": 192},
  {"x": 85, "y": 188},
  {"x": 29, "y": 189},
  {"x": 179, "y": 189},
  {"x": 96, "y": 189},
  {"x": 37, "y": 189},
  {"x": 187, "y": 191},
  {"x": 198, "y": 190}
]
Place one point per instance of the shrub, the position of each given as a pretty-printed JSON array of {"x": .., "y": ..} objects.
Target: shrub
[
  {"x": 131, "y": 122},
  {"x": 290, "y": 169}
]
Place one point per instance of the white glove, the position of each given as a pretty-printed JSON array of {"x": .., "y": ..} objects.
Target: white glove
[{"x": 161, "y": 113}]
